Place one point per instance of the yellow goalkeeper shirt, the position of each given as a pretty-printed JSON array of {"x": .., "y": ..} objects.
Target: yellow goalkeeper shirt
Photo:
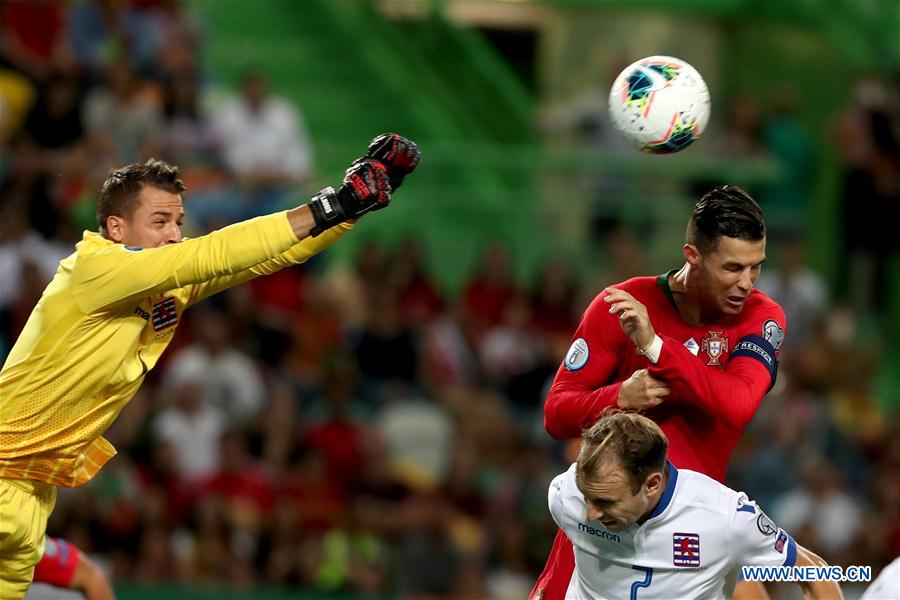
[{"x": 102, "y": 324}]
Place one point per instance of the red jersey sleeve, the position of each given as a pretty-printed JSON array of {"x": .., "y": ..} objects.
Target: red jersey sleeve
[
  {"x": 734, "y": 393},
  {"x": 585, "y": 383},
  {"x": 57, "y": 565}
]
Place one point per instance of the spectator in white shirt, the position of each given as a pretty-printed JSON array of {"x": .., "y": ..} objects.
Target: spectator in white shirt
[
  {"x": 193, "y": 429},
  {"x": 264, "y": 139},
  {"x": 229, "y": 380}
]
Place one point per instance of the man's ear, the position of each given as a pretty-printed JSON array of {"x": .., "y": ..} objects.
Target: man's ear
[
  {"x": 691, "y": 254},
  {"x": 115, "y": 229},
  {"x": 653, "y": 482}
]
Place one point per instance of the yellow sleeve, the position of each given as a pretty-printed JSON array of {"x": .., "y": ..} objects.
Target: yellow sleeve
[
  {"x": 115, "y": 273},
  {"x": 299, "y": 253}
]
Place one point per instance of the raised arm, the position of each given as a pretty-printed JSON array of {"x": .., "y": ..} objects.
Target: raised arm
[
  {"x": 297, "y": 254},
  {"x": 116, "y": 273},
  {"x": 731, "y": 394},
  {"x": 398, "y": 154},
  {"x": 584, "y": 384}
]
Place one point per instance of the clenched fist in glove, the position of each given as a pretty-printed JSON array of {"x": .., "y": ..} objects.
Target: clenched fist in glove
[
  {"x": 400, "y": 155},
  {"x": 365, "y": 188}
]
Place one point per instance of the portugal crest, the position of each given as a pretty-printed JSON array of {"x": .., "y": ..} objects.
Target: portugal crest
[{"x": 715, "y": 346}]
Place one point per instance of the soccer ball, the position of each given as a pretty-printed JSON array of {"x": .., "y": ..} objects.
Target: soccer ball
[{"x": 660, "y": 104}]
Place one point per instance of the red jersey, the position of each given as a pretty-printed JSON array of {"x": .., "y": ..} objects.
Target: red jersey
[
  {"x": 57, "y": 565},
  {"x": 718, "y": 373}
]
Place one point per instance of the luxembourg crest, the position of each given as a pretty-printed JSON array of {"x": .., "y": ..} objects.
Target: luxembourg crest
[
  {"x": 686, "y": 549},
  {"x": 715, "y": 347},
  {"x": 164, "y": 314}
]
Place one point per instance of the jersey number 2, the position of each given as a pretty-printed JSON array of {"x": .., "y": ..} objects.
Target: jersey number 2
[{"x": 644, "y": 583}]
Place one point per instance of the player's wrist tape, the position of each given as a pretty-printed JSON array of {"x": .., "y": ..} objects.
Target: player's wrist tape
[
  {"x": 326, "y": 211},
  {"x": 653, "y": 349}
]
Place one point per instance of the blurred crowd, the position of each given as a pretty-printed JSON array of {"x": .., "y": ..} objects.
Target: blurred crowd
[
  {"x": 359, "y": 428},
  {"x": 88, "y": 86}
]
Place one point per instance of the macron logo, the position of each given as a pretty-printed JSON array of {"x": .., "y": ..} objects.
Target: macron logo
[{"x": 600, "y": 533}]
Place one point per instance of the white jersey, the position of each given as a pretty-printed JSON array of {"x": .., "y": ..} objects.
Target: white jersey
[
  {"x": 887, "y": 585},
  {"x": 692, "y": 546}
]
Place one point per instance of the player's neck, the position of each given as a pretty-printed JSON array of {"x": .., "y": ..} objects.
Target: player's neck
[{"x": 686, "y": 296}]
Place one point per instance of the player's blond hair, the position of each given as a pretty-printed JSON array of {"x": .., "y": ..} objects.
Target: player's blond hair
[{"x": 633, "y": 441}]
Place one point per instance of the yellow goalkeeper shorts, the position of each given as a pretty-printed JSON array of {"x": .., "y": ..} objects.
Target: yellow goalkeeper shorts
[{"x": 25, "y": 506}]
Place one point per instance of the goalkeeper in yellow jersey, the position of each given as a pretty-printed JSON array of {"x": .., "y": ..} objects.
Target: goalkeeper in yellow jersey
[{"x": 111, "y": 310}]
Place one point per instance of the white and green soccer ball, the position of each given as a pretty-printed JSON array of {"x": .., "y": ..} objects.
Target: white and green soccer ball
[{"x": 660, "y": 104}]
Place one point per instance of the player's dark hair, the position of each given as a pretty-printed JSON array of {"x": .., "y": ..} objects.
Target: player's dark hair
[
  {"x": 725, "y": 211},
  {"x": 120, "y": 191},
  {"x": 633, "y": 441}
]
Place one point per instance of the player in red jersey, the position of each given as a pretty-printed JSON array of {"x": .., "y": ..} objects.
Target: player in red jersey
[
  {"x": 695, "y": 349},
  {"x": 65, "y": 566}
]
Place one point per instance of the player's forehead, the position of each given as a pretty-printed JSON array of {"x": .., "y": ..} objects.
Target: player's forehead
[
  {"x": 153, "y": 200},
  {"x": 736, "y": 250},
  {"x": 608, "y": 480}
]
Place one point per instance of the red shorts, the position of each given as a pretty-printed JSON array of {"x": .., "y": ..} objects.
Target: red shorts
[
  {"x": 554, "y": 581},
  {"x": 58, "y": 564}
]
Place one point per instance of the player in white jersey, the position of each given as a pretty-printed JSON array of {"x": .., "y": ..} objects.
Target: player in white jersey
[
  {"x": 643, "y": 529},
  {"x": 887, "y": 585}
]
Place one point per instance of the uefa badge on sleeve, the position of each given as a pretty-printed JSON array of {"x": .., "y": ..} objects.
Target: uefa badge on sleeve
[
  {"x": 773, "y": 334},
  {"x": 577, "y": 356},
  {"x": 765, "y": 524}
]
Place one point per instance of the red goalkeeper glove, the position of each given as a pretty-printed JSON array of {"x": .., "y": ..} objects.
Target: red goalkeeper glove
[
  {"x": 365, "y": 188},
  {"x": 400, "y": 155}
]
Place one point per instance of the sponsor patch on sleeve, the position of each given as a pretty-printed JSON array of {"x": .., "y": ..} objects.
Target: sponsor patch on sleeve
[
  {"x": 577, "y": 356},
  {"x": 780, "y": 541}
]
